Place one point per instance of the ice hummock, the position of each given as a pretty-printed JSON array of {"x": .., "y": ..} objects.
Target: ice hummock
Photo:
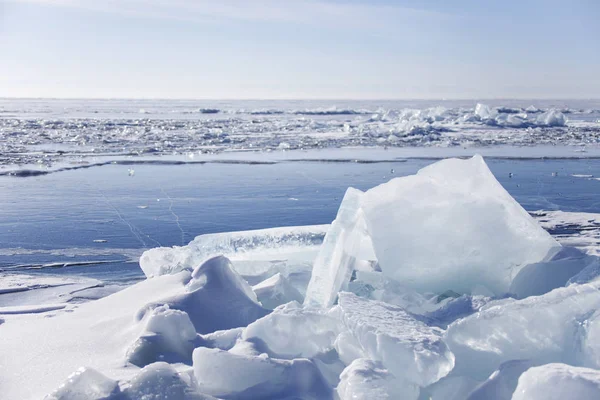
[{"x": 452, "y": 226}]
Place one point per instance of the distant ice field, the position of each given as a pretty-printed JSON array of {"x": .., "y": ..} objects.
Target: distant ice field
[{"x": 44, "y": 133}]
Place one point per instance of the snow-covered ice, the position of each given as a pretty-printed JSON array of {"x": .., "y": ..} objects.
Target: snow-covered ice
[
  {"x": 558, "y": 382},
  {"x": 365, "y": 379},
  {"x": 86, "y": 384}
]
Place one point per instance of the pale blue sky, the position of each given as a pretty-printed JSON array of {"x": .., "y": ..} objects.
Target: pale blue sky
[{"x": 300, "y": 48}]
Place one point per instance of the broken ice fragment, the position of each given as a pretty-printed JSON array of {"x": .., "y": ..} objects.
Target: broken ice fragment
[
  {"x": 338, "y": 254},
  {"x": 452, "y": 225},
  {"x": 407, "y": 347}
]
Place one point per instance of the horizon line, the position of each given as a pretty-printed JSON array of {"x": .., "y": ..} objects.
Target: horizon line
[{"x": 294, "y": 98}]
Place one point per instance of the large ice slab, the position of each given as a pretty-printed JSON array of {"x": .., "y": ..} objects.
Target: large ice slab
[
  {"x": 558, "y": 382},
  {"x": 338, "y": 255},
  {"x": 410, "y": 349},
  {"x": 452, "y": 226},
  {"x": 540, "y": 328},
  {"x": 296, "y": 244}
]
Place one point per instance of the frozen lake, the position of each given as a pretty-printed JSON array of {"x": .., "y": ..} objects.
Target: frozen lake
[{"x": 101, "y": 219}]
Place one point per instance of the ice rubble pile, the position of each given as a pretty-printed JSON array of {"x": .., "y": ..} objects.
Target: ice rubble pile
[{"x": 432, "y": 286}]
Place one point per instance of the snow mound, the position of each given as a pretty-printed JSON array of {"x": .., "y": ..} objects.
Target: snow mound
[
  {"x": 86, "y": 384},
  {"x": 223, "y": 374},
  {"x": 160, "y": 381},
  {"x": 292, "y": 331},
  {"x": 263, "y": 244},
  {"x": 216, "y": 298},
  {"x": 452, "y": 226},
  {"x": 275, "y": 291},
  {"x": 169, "y": 336},
  {"x": 539, "y": 328},
  {"x": 366, "y": 379},
  {"x": 407, "y": 347},
  {"x": 338, "y": 255},
  {"x": 558, "y": 382}
]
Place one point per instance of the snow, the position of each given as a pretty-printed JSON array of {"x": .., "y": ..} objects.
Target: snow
[
  {"x": 452, "y": 226},
  {"x": 224, "y": 374},
  {"x": 539, "y": 328},
  {"x": 365, "y": 379},
  {"x": 338, "y": 254},
  {"x": 99, "y": 334},
  {"x": 86, "y": 384},
  {"x": 217, "y": 298},
  {"x": 558, "y": 382},
  {"x": 160, "y": 381},
  {"x": 168, "y": 335},
  {"x": 407, "y": 347}
]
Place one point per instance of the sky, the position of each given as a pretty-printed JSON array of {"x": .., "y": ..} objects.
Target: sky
[{"x": 296, "y": 49}]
